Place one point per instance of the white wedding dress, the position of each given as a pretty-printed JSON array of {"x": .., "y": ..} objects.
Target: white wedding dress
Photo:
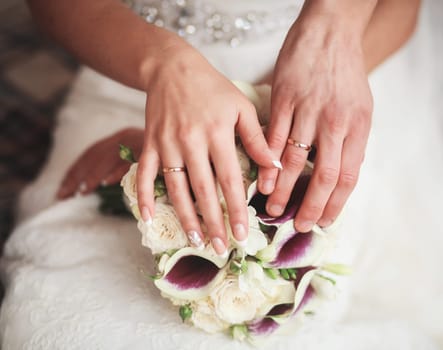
[{"x": 76, "y": 280}]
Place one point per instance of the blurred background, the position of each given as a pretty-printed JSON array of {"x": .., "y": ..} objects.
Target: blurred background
[{"x": 35, "y": 76}]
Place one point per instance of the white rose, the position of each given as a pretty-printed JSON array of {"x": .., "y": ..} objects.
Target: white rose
[
  {"x": 277, "y": 291},
  {"x": 233, "y": 305},
  {"x": 204, "y": 317},
  {"x": 165, "y": 232},
  {"x": 129, "y": 184}
]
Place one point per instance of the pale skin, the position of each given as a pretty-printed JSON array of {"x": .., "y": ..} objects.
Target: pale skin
[{"x": 320, "y": 96}]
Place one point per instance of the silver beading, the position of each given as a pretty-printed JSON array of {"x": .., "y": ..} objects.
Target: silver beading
[{"x": 199, "y": 22}]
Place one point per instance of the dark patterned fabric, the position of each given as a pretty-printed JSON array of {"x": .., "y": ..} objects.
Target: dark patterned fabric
[{"x": 35, "y": 76}]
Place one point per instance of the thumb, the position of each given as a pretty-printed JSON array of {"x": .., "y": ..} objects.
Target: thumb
[{"x": 254, "y": 142}]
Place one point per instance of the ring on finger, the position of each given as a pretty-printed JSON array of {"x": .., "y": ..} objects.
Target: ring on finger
[
  {"x": 298, "y": 144},
  {"x": 176, "y": 169}
]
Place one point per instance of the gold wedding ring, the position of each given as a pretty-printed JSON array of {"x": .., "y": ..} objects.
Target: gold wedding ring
[
  {"x": 301, "y": 145},
  {"x": 176, "y": 169}
]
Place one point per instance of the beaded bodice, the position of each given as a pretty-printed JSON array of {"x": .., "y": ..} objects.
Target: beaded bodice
[{"x": 225, "y": 22}]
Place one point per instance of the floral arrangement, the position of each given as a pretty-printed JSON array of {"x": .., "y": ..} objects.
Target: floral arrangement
[{"x": 277, "y": 277}]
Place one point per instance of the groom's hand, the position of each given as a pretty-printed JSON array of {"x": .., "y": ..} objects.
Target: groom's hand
[
  {"x": 320, "y": 97},
  {"x": 100, "y": 164}
]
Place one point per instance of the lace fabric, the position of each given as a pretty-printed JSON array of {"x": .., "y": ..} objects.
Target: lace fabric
[{"x": 76, "y": 280}]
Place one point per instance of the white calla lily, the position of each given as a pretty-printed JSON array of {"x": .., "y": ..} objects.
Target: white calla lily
[
  {"x": 291, "y": 249},
  {"x": 192, "y": 274}
]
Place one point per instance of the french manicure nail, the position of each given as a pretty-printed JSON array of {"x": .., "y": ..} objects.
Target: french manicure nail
[
  {"x": 219, "y": 247},
  {"x": 83, "y": 187},
  {"x": 305, "y": 226},
  {"x": 325, "y": 223},
  {"x": 240, "y": 232},
  {"x": 196, "y": 240},
  {"x": 277, "y": 164},
  {"x": 146, "y": 215},
  {"x": 243, "y": 243}
]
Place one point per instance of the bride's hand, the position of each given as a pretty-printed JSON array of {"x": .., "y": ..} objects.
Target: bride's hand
[
  {"x": 320, "y": 96},
  {"x": 192, "y": 114},
  {"x": 100, "y": 164}
]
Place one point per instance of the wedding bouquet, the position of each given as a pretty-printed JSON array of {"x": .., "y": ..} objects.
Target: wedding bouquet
[{"x": 278, "y": 277}]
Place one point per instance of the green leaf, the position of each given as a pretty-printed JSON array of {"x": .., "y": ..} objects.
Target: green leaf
[
  {"x": 126, "y": 154},
  {"x": 329, "y": 279},
  {"x": 171, "y": 252},
  {"x": 185, "y": 312},
  {"x": 239, "y": 332},
  {"x": 238, "y": 267},
  {"x": 111, "y": 200},
  {"x": 285, "y": 274},
  {"x": 159, "y": 187},
  {"x": 292, "y": 273},
  {"x": 264, "y": 228},
  {"x": 271, "y": 273},
  {"x": 338, "y": 269},
  {"x": 155, "y": 277},
  {"x": 253, "y": 172}
]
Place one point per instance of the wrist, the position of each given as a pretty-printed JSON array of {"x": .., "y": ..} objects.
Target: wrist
[
  {"x": 172, "y": 58},
  {"x": 346, "y": 17}
]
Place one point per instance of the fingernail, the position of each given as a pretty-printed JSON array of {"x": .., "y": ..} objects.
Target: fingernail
[
  {"x": 240, "y": 232},
  {"x": 325, "y": 223},
  {"x": 219, "y": 247},
  {"x": 83, "y": 187},
  {"x": 277, "y": 164},
  {"x": 305, "y": 226},
  {"x": 146, "y": 216},
  {"x": 275, "y": 209},
  {"x": 195, "y": 240},
  {"x": 243, "y": 243},
  {"x": 268, "y": 186}
]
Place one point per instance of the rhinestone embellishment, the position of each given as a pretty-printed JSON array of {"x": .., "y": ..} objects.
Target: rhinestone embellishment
[{"x": 201, "y": 23}]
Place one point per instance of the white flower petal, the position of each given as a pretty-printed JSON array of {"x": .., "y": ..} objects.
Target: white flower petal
[
  {"x": 204, "y": 317},
  {"x": 233, "y": 305},
  {"x": 165, "y": 232}
]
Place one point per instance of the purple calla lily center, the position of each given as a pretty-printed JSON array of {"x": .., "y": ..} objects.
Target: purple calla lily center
[
  {"x": 293, "y": 249},
  {"x": 192, "y": 272},
  {"x": 267, "y": 325},
  {"x": 258, "y": 201}
]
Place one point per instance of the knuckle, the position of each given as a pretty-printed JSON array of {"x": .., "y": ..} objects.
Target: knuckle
[
  {"x": 332, "y": 211},
  {"x": 348, "y": 180},
  {"x": 294, "y": 160},
  {"x": 202, "y": 190},
  {"x": 327, "y": 176},
  {"x": 228, "y": 181},
  {"x": 312, "y": 211},
  {"x": 335, "y": 122},
  {"x": 251, "y": 140},
  {"x": 277, "y": 140},
  {"x": 187, "y": 135}
]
